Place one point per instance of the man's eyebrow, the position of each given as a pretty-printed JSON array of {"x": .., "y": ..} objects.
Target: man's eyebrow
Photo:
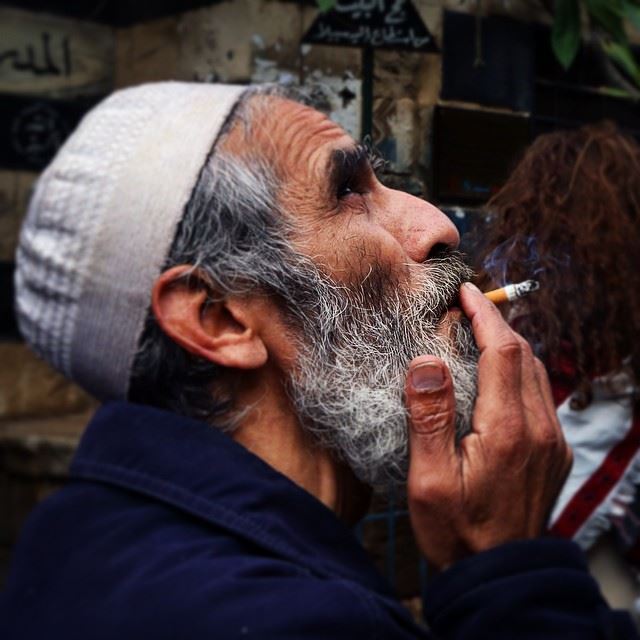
[{"x": 344, "y": 163}]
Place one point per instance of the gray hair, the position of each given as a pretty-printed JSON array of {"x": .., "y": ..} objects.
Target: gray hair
[{"x": 234, "y": 236}]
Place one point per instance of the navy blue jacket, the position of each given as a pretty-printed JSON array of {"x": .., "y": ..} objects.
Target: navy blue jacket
[{"x": 169, "y": 529}]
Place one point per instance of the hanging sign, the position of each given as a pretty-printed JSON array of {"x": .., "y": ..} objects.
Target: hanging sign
[
  {"x": 52, "y": 56},
  {"x": 381, "y": 24}
]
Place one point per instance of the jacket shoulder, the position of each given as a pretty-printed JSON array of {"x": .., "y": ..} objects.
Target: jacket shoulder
[{"x": 114, "y": 565}]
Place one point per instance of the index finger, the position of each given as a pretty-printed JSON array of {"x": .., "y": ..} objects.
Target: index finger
[
  {"x": 489, "y": 327},
  {"x": 498, "y": 408}
]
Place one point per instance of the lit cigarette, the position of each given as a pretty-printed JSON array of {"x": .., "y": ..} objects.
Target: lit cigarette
[{"x": 512, "y": 292}]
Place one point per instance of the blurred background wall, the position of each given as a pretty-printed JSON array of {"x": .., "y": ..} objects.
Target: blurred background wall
[{"x": 449, "y": 118}]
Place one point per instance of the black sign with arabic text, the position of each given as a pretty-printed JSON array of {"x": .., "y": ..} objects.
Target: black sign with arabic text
[
  {"x": 382, "y": 24},
  {"x": 32, "y": 129}
]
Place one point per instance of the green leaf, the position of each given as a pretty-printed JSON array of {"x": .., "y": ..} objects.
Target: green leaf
[
  {"x": 632, "y": 13},
  {"x": 622, "y": 55},
  {"x": 565, "y": 35},
  {"x": 325, "y": 5},
  {"x": 608, "y": 14},
  {"x": 615, "y": 92}
]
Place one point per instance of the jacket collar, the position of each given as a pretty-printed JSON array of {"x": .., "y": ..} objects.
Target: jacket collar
[{"x": 200, "y": 470}]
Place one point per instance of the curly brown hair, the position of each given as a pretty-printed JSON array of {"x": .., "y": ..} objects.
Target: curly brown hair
[{"x": 569, "y": 216}]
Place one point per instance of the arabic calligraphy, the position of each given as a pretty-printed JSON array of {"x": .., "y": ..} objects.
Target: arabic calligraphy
[
  {"x": 395, "y": 14},
  {"x": 391, "y": 24},
  {"x": 375, "y": 37},
  {"x": 39, "y": 59}
]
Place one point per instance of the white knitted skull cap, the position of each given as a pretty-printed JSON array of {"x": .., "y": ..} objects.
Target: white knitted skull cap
[{"x": 101, "y": 223}]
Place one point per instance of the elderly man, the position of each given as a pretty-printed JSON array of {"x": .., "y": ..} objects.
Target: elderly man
[{"x": 287, "y": 333}]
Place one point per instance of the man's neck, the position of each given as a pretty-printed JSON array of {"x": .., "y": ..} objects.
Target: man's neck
[{"x": 272, "y": 431}]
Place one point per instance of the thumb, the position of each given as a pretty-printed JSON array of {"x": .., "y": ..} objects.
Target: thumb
[{"x": 432, "y": 411}]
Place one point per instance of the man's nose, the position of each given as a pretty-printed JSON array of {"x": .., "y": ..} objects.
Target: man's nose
[{"x": 421, "y": 227}]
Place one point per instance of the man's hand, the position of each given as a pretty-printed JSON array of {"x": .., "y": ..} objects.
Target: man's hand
[{"x": 500, "y": 482}]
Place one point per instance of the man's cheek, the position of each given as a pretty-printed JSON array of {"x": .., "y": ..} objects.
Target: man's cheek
[{"x": 359, "y": 248}]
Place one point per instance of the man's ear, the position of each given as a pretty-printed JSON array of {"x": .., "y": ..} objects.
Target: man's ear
[{"x": 221, "y": 331}]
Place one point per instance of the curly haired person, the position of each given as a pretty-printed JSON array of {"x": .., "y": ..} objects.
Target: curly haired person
[{"x": 568, "y": 215}]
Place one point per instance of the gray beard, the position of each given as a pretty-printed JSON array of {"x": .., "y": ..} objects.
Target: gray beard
[{"x": 355, "y": 343}]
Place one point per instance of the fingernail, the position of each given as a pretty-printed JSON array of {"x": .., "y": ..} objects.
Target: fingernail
[
  {"x": 471, "y": 287},
  {"x": 427, "y": 376}
]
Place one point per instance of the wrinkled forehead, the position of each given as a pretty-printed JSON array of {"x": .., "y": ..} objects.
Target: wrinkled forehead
[{"x": 297, "y": 141}]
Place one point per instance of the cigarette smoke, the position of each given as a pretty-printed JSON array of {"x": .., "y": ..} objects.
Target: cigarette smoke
[{"x": 521, "y": 252}]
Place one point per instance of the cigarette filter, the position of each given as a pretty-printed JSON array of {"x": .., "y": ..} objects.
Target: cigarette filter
[{"x": 512, "y": 292}]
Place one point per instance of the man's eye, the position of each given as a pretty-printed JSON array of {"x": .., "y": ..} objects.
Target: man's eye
[
  {"x": 345, "y": 190},
  {"x": 355, "y": 186}
]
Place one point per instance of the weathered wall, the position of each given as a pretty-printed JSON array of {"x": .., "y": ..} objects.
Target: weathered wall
[
  {"x": 15, "y": 188},
  {"x": 244, "y": 41},
  {"x": 42, "y": 57},
  {"x": 47, "y": 65}
]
